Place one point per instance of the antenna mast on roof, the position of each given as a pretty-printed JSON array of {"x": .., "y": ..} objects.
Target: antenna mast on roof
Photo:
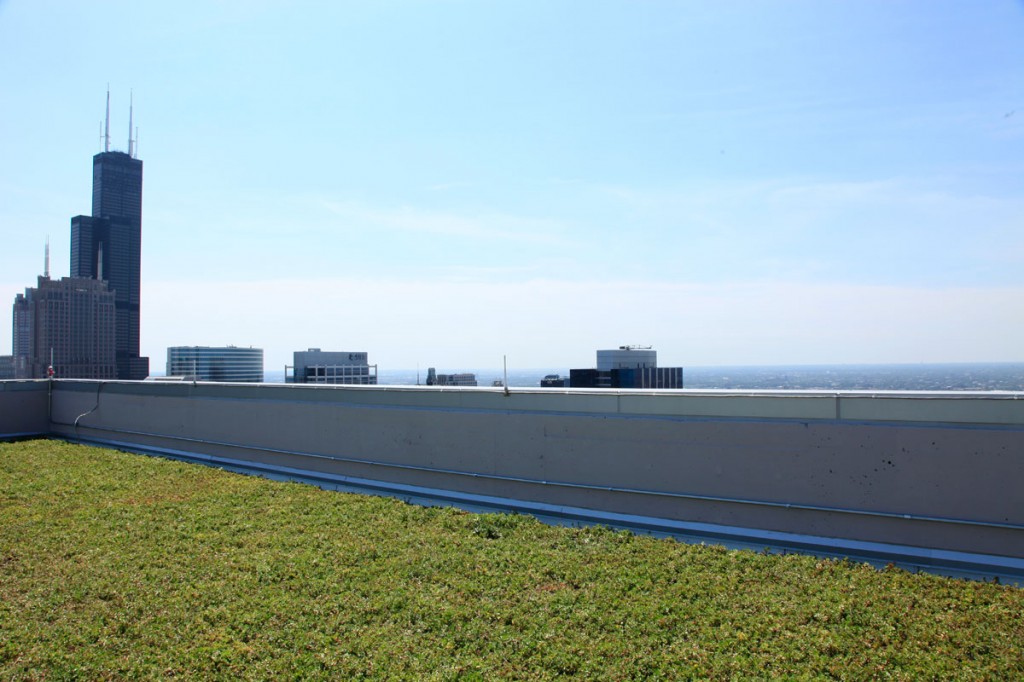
[
  {"x": 130, "y": 113},
  {"x": 46, "y": 262},
  {"x": 106, "y": 128}
]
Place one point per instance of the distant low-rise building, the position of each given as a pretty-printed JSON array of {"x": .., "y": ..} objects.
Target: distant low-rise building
[
  {"x": 315, "y": 366},
  {"x": 554, "y": 381},
  {"x": 6, "y": 367},
  {"x": 627, "y": 367},
  {"x": 215, "y": 363},
  {"x": 461, "y": 379}
]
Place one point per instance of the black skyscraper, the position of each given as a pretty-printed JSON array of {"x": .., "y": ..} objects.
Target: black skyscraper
[{"x": 108, "y": 245}]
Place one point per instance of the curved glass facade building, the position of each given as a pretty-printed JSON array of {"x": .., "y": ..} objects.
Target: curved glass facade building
[{"x": 215, "y": 363}]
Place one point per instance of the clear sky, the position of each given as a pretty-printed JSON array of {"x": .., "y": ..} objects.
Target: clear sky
[{"x": 446, "y": 183}]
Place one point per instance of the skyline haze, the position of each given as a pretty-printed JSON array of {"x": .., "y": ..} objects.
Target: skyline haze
[{"x": 444, "y": 184}]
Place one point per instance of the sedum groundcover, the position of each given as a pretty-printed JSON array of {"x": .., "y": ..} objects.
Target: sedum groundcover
[{"x": 115, "y": 565}]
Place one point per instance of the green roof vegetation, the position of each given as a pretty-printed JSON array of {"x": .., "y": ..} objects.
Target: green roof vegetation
[{"x": 115, "y": 565}]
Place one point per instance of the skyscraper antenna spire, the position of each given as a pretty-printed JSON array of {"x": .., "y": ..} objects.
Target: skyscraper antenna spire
[
  {"x": 46, "y": 262},
  {"x": 130, "y": 114},
  {"x": 106, "y": 128}
]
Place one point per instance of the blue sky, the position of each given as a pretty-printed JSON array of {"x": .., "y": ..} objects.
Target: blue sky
[{"x": 446, "y": 183}]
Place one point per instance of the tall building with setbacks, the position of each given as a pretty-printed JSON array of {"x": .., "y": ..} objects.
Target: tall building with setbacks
[
  {"x": 108, "y": 245},
  {"x": 87, "y": 325}
]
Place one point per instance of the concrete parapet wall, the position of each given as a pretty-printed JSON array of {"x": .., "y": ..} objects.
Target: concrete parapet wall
[
  {"x": 941, "y": 471},
  {"x": 24, "y": 408}
]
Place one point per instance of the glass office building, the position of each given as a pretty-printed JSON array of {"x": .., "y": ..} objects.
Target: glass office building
[{"x": 215, "y": 363}]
